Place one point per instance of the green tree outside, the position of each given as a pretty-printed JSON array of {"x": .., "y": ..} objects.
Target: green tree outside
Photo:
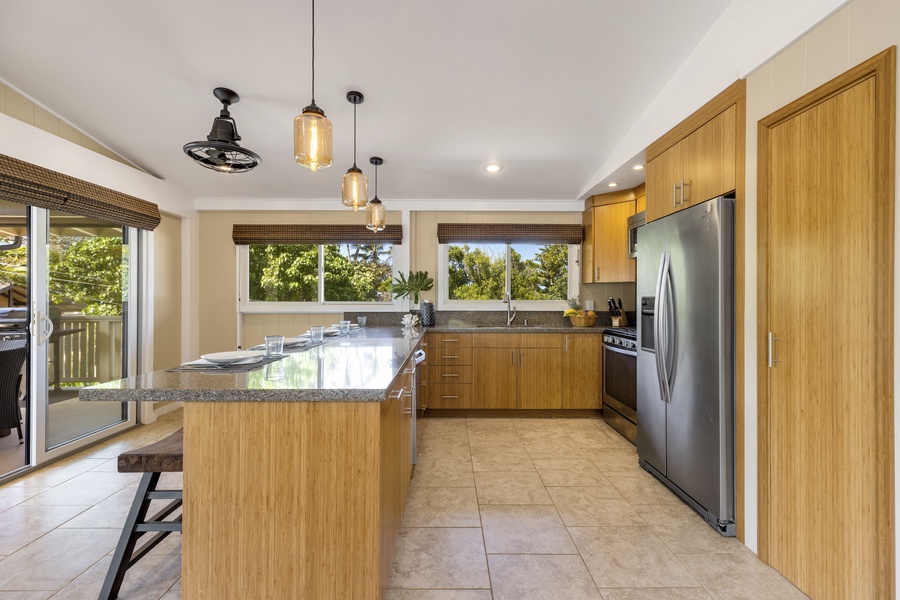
[{"x": 479, "y": 273}]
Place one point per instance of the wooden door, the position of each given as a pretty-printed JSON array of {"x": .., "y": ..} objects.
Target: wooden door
[
  {"x": 582, "y": 376},
  {"x": 662, "y": 174},
  {"x": 826, "y": 452},
  {"x": 587, "y": 247},
  {"x": 540, "y": 378},
  {"x": 494, "y": 377},
  {"x": 611, "y": 261},
  {"x": 708, "y": 166}
]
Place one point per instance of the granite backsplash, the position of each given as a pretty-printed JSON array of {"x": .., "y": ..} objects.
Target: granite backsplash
[{"x": 456, "y": 318}]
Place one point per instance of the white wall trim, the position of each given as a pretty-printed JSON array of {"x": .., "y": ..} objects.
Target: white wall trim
[{"x": 330, "y": 204}]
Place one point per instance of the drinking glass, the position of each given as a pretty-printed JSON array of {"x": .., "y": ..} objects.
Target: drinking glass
[
  {"x": 361, "y": 321},
  {"x": 345, "y": 327},
  {"x": 316, "y": 333},
  {"x": 275, "y": 371},
  {"x": 274, "y": 345}
]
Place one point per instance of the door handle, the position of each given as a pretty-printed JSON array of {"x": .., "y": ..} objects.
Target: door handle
[
  {"x": 43, "y": 326},
  {"x": 771, "y": 350},
  {"x": 661, "y": 327}
]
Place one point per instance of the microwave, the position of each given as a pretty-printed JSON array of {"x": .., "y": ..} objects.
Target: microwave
[{"x": 634, "y": 221}]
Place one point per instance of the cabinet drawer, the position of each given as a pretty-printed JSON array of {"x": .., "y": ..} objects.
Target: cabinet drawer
[
  {"x": 450, "y": 395},
  {"x": 450, "y": 356},
  {"x": 449, "y": 340},
  {"x": 449, "y": 374}
]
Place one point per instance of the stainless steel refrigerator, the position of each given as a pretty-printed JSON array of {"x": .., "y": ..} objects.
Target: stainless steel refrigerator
[{"x": 685, "y": 360}]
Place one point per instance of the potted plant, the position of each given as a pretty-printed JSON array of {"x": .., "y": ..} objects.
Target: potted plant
[
  {"x": 578, "y": 316},
  {"x": 412, "y": 286}
]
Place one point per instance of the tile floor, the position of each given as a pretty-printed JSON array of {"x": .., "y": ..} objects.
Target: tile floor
[{"x": 498, "y": 509}]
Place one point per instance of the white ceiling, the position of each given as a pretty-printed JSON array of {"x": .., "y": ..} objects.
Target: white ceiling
[{"x": 548, "y": 89}]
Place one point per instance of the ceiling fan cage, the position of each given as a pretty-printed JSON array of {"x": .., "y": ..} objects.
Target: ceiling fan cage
[{"x": 220, "y": 151}]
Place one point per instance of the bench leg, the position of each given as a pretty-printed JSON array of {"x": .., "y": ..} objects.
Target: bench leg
[{"x": 122, "y": 557}]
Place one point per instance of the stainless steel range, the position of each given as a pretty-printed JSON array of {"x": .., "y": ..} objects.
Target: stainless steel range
[{"x": 619, "y": 380}]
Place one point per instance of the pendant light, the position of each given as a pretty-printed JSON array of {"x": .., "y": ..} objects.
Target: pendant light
[
  {"x": 374, "y": 208},
  {"x": 312, "y": 129},
  {"x": 354, "y": 185},
  {"x": 221, "y": 151}
]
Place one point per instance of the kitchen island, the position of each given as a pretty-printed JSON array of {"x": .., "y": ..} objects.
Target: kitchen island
[{"x": 293, "y": 486}]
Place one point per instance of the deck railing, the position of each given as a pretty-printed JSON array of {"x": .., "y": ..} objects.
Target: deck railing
[{"x": 92, "y": 352}]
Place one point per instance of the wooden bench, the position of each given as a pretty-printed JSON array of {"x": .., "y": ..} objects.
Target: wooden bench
[{"x": 164, "y": 456}]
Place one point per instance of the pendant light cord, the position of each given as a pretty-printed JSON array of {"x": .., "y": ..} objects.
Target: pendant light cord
[
  {"x": 313, "y": 52},
  {"x": 354, "y": 134},
  {"x": 376, "y": 181}
]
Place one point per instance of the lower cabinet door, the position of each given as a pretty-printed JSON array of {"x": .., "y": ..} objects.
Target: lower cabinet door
[
  {"x": 494, "y": 377},
  {"x": 450, "y": 395},
  {"x": 540, "y": 378},
  {"x": 582, "y": 376}
]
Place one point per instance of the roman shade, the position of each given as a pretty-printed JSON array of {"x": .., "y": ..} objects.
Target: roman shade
[
  {"x": 314, "y": 234},
  {"x": 510, "y": 233},
  {"x": 25, "y": 183}
]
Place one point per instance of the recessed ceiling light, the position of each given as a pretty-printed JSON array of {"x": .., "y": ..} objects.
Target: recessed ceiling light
[
  {"x": 493, "y": 167},
  {"x": 637, "y": 167},
  {"x": 613, "y": 184}
]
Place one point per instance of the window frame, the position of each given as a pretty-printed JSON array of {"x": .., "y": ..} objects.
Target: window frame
[
  {"x": 244, "y": 305},
  {"x": 443, "y": 285}
]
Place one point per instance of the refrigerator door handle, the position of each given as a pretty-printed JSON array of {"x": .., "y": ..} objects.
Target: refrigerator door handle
[
  {"x": 670, "y": 334},
  {"x": 658, "y": 328}
]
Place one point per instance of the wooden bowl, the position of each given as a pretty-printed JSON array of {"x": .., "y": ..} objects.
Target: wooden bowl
[{"x": 583, "y": 321}]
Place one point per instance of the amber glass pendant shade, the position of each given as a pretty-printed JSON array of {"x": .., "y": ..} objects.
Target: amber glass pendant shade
[
  {"x": 354, "y": 189},
  {"x": 312, "y": 139},
  {"x": 375, "y": 215}
]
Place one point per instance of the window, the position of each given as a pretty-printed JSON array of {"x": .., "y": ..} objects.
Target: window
[
  {"x": 277, "y": 275},
  {"x": 531, "y": 272}
]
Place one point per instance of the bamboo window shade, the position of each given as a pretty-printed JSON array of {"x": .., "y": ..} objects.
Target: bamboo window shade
[
  {"x": 510, "y": 233},
  {"x": 25, "y": 183},
  {"x": 314, "y": 234}
]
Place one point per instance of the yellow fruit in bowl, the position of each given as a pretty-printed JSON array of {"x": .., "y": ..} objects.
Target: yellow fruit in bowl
[
  {"x": 569, "y": 312},
  {"x": 590, "y": 313}
]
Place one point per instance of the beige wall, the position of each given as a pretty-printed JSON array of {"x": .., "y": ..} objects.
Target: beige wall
[
  {"x": 19, "y": 107},
  {"x": 167, "y": 297},
  {"x": 849, "y": 36},
  {"x": 218, "y": 279}
]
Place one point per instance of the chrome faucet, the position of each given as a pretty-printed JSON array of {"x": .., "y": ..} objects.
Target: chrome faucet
[{"x": 508, "y": 303}]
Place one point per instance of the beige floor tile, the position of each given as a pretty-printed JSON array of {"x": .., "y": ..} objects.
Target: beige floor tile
[
  {"x": 148, "y": 579},
  {"x": 520, "y": 577},
  {"x": 57, "y": 558},
  {"x": 542, "y": 425},
  {"x": 108, "y": 466},
  {"x": 524, "y": 529},
  {"x": 436, "y": 595},
  {"x": 11, "y": 495},
  {"x": 655, "y": 594},
  {"x": 593, "y": 507},
  {"x": 511, "y": 488},
  {"x": 553, "y": 449},
  {"x": 57, "y": 473},
  {"x": 740, "y": 576},
  {"x": 642, "y": 488},
  {"x": 599, "y": 439},
  {"x": 174, "y": 592},
  {"x": 457, "y": 451},
  {"x": 488, "y": 458},
  {"x": 110, "y": 513},
  {"x": 489, "y": 423},
  {"x": 442, "y": 471},
  {"x": 21, "y": 525},
  {"x": 630, "y": 557},
  {"x": 613, "y": 460},
  {"x": 441, "y": 507},
  {"x": 441, "y": 558},
  {"x": 495, "y": 438},
  {"x": 684, "y": 531},
  {"x": 85, "y": 489},
  {"x": 569, "y": 472}
]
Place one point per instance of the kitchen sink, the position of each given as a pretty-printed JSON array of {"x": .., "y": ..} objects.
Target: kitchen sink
[{"x": 513, "y": 326}]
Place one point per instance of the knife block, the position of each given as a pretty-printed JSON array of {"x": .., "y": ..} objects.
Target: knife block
[{"x": 620, "y": 321}]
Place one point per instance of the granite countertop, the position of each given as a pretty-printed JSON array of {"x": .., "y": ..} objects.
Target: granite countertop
[
  {"x": 515, "y": 329},
  {"x": 358, "y": 367}
]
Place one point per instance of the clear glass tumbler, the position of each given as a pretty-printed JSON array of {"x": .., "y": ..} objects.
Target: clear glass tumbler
[
  {"x": 345, "y": 327},
  {"x": 274, "y": 345},
  {"x": 361, "y": 321},
  {"x": 316, "y": 333}
]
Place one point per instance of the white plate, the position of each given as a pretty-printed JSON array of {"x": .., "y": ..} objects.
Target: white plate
[
  {"x": 295, "y": 341},
  {"x": 328, "y": 332},
  {"x": 338, "y": 326},
  {"x": 227, "y": 358}
]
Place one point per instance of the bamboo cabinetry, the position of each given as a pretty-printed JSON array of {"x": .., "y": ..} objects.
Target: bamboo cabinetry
[
  {"x": 517, "y": 370},
  {"x": 605, "y": 247},
  {"x": 582, "y": 378},
  {"x": 695, "y": 168},
  {"x": 449, "y": 374}
]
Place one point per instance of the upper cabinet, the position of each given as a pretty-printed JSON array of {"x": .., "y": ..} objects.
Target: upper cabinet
[
  {"x": 605, "y": 247},
  {"x": 697, "y": 160}
]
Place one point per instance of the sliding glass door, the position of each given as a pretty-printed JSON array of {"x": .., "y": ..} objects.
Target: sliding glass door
[{"x": 88, "y": 268}]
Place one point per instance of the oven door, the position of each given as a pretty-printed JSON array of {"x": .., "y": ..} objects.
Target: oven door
[{"x": 620, "y": 382}]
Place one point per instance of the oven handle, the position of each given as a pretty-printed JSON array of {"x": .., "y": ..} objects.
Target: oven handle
[
  {"x": 659, "y": 326},
  {"x": 620, "y": 350}
]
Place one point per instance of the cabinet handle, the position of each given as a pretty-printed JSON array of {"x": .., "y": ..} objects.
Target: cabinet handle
[
  {"x": 409, "y": 371},
  {"x": 449, "y": 357},
  {"x": 450, "y": 397},
  {"x": 395, "y": 394},
  {"x": 449, "y": 374},
  {"x": 521, "y": 352},
  {"x": 567, "y": 342},
  {"x": 448, "y": 340}
]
